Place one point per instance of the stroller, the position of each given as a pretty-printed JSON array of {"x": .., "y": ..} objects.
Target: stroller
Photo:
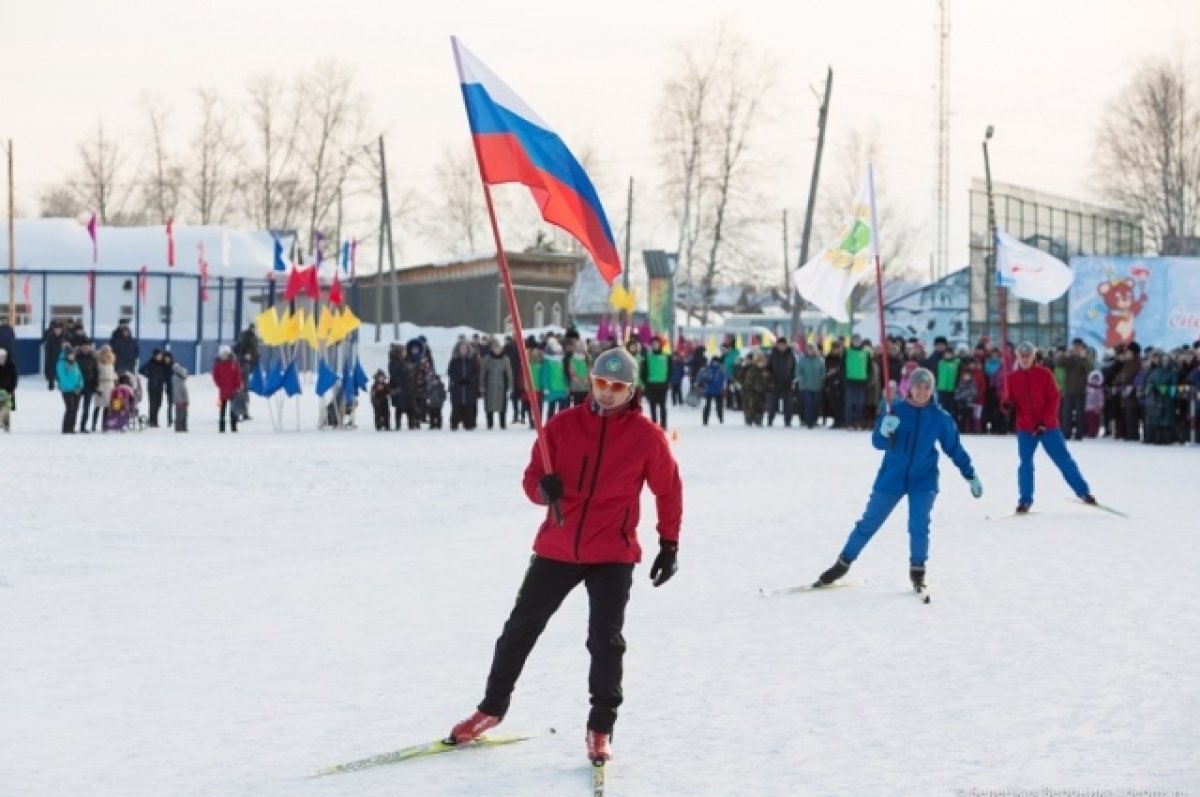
[{"x": 123, "y": 415}]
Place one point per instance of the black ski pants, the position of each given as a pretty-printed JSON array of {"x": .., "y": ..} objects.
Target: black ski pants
[
  {"x": 547, "y": 584},
  {"x": 656, "y": 397}
]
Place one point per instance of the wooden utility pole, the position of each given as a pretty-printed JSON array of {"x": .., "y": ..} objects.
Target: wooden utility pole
[
  {"x": 628, "y": 233},
  {"x": 12, "y": 246},
  {"x": 812, "y": 197},
  {"x": 391, "y": 244}
]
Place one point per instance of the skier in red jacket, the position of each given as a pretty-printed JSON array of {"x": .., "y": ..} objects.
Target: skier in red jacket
[
  {"x": 601, "y": 454},
  {"x": 1034, "y": 394},
  {"x": 227, "y": 375}
]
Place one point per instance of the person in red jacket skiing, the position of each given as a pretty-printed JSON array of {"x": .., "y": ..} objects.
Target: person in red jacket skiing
[
  {"x": 601, "y": 454},
  {"x": 1035, "y": 397},
  {"x": 227, "y": 375}
]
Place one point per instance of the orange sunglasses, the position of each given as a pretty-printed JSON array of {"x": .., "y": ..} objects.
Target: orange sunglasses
[{"x": 611, "y": 385}]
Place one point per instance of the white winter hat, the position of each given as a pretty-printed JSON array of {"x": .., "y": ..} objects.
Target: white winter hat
[{"x": 224, "y": 350}]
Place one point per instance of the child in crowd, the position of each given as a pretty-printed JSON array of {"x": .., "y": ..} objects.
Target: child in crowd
[
  {"x": 381, "y": 394},
  {"x": 437, "y": 398},
  {"x": 179, "y": 396}
]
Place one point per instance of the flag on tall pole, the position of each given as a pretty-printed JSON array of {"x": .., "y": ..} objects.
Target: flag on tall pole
[
  {"x": 1029, "y": 272},
  {"x": 171, "y": 241},
  {"x": 828, "y": 279},
  {"x": 514, "y": 145},
  {"x": 143, "y": 282},
  {"x": 27, "y": 290},
  {"x": 91, "y": 228}
]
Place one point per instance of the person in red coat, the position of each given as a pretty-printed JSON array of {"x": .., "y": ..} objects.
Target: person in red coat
[
  {"x": 601, "y": 454},
  {"x": 1035, "y": 398},
  {"x": 227, "y": 375}
]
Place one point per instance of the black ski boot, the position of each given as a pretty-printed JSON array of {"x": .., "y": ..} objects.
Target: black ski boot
[
  {"x": 1023, "y": 509},
  {"x": 916, "y": 574},
  {"x": 839, "y": 569}
]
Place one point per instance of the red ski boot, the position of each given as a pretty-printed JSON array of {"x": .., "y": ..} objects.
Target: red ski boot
[
  {"x": 599, "y": 748},
  {"x": 472, "y": 728}
]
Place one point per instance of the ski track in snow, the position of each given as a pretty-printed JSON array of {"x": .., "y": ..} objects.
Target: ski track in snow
[{"x": 219, "y": 615}]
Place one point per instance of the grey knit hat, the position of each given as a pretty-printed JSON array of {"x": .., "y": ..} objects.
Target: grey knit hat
[
  {"x": 1026, "y": 347},
  {"x": 921, "y": 376},
  {"x": 616, "y": 364}
]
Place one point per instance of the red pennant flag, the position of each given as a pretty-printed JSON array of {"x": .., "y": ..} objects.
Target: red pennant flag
[
  {"x": 91, "y": 228},
  {"x": 27, "y": 289},
  {"x": 91, "y": 289},
  {"x": 313, "y": 284},
  {"x": 143, "y": 282},
  {"x": 335, "y": 291},
  {"x": 293, "y": 285},
  {"x": 203, "y": 273},
  {"x": 171, "y": 241}
]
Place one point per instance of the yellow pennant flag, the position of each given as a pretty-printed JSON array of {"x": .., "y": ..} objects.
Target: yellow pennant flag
[
  {"x": 325, "y": 326},
  {"x": 289, "y": 328},
  {"x": 768, "y": 339},
  {"x": 308, "y": 332},
  {"x": 710, "y": 347},
  {"x": 738, "y": 342},
  {"x": 267, "y": 323},
  {"x": 350, "y": 320}
]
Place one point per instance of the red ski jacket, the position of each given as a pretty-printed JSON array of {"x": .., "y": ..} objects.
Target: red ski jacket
[
  {"x": 227, "y": 375},
  {"x": 1034, "y": 394},
  {"x": 603, "y": 461}
]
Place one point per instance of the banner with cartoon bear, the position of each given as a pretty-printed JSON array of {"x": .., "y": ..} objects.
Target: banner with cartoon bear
[{"x": 1153, "y": 300}]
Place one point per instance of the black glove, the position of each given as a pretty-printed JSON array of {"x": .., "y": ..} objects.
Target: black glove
[
  {"x": 665, "y": 564},
  {"x": 550, "y": 488},
  {"x": 1041, "y": 427}
]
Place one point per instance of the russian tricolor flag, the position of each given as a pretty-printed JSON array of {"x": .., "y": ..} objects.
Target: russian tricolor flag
[{"x": 514, "y": 145}]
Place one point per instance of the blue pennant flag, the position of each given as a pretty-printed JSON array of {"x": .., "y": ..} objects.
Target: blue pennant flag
[
  {"x": 291, "y": 381},
  {"x": 326, "y": 378},
  {"x": 257, "y": 384},
  {"x": 346, "y": 256},
  {"x": 361, "y": 380},
  {"x": 279, "y": 264},
  {"x": 274, "y": 380}
]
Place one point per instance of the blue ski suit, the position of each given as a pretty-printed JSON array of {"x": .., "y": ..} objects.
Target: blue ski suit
[{"x": 909, "y": 468}]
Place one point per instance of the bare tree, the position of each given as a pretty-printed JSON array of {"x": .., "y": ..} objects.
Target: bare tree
[
  {"x": 1147, "y": 155},
  {"x": 100, "y": 185},
  {"x": 162, "y": 178},
  {"x": 334, "y": 118},
  {"x": 458, "y": 222},
  {"x": 273, "y": 191},
  {"x": 213, "y": 178},
  {"x": 62, "y": 201},
  {"x": 712, "y": 109}
]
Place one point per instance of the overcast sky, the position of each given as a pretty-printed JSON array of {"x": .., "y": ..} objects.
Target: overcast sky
[{"x": 1040, "y": 71}]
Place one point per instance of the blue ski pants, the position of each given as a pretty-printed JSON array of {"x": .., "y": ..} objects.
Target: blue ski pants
[
  {"x": 879, "y": 507},
  {"x": 1056, "y": 447}
]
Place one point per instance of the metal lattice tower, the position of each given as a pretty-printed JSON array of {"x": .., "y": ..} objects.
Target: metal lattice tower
[{"x": 942, "y": 191}]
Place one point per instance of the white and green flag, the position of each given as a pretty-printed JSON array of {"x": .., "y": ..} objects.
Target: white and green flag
[{"x": 828, "y": 279}]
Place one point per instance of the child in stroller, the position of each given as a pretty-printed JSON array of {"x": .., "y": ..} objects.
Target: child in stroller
[{"x": 123, "y": 406}]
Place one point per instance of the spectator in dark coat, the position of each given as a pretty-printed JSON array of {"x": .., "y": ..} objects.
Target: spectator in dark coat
[
  {"x": 90, "y": 369},
  {"x": 125, "y": 348},
  {"x": 158, "y": 383},
  {"x": 400, "y": 385},
  {"x": 782, "y": 365},
  {"x": 8, "y": 337},
  {"x": 52, "y": 343},
  {"x": 463, "y": 373},
  {"x": 8, "y": 378}
]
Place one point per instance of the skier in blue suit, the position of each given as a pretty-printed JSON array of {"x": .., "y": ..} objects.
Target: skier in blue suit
[{"x": 907, "y": 435}]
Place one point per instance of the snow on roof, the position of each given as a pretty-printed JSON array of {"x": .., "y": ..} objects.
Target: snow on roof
[{"x": 64, "y": 245}]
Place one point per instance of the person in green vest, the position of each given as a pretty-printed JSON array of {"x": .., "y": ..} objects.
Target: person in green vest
[
  {"x": 729, "y": 360},
  {"x": 856, "y": 365},
  {"x": 655, "y": 375},
  {"x": 554, "y": 379},
  {"x": 579, "y": 370},
  {"x": 531, "y": 392},
  {"x": 947, "y": 380}
]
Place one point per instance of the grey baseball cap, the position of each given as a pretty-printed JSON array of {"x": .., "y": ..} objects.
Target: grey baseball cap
[{"x": 616, "y": 364}]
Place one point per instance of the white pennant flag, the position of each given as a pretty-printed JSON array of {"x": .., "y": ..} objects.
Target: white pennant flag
[
  {"x": 829, "y": 278},
  {"x": 1029, "y": 272}
]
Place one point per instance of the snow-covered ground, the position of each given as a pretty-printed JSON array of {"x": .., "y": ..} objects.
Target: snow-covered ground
[{"x": 217, "y": 615}]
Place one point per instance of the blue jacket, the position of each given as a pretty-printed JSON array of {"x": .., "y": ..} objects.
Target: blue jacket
[
  {"x": 712, "y": 379},
  {"x": 910, "y": 464},
  {"x": 70, "y": 377}
]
